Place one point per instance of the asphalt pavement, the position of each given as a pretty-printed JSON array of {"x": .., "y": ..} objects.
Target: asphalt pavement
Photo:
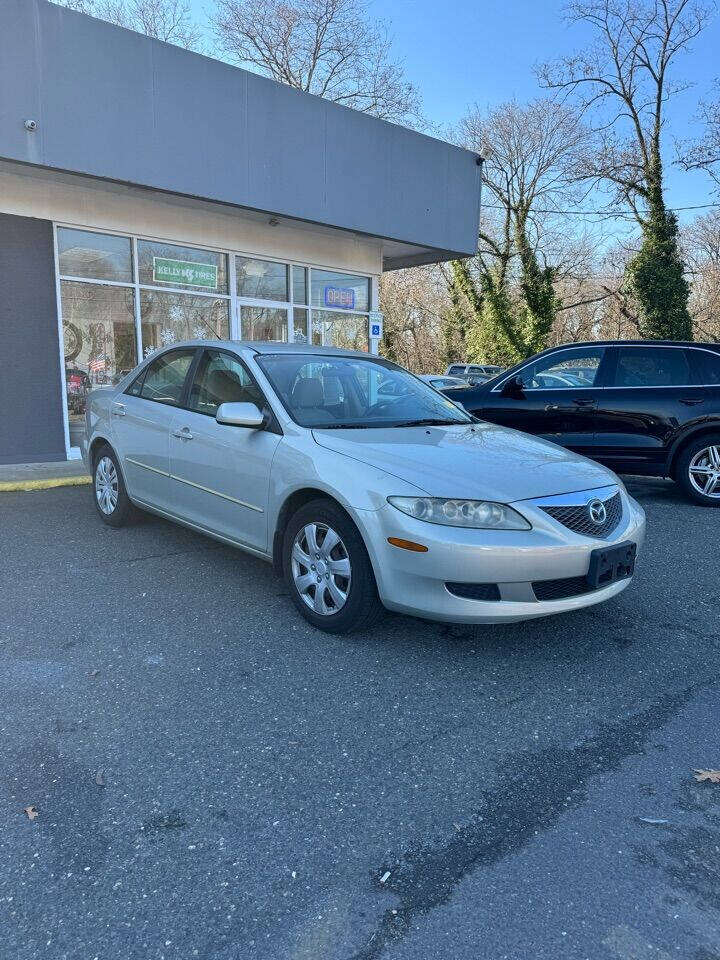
[{"x": 213, "y": 778}]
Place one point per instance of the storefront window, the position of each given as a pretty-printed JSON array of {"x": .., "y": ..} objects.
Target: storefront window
[
  {"x": 96, "y": 256},
  {"x": 342, "y": 291},
  {"x": 169, "y": 317},
  {"x": 186, "y": 268},
  {"x": 264, "y": 323},
  {"x": 345, "y": 330},
  {"x": 99, "y": 342},
  {"x": 183, "y": 293},
  {"x": 261, "y": 279}
]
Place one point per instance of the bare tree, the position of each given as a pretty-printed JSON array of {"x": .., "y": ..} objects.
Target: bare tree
[
  {"x": 415, "y": 303},
  {"x": 508, "y": 289},
  {"x": 705, "y": 153},
  {"x": 168, "y": 20},
  {"x": 623, "y": 81},
  {"x": 701, "y": 243},
  {"x": 624, "y": 78},
  {"x": 326, "y": 47}
]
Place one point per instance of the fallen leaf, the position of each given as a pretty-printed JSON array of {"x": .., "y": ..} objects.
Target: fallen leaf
[
  {"x": 31, "y": 812},
  {"x": 100, "y": 778},
  {"x": 712, "y": 776}
]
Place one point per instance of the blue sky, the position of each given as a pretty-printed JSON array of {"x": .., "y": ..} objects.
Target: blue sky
[{"x": 464, "y": 51}]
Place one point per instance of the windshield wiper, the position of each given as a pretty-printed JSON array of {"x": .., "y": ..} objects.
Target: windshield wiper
[
  {"x": 339, "y": 426},
  {"x": 429, "y": 422}
]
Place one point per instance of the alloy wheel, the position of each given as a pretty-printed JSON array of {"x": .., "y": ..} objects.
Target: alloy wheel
[
  {"x": 704, "y": 471},
  {"x": 321, "y": 568},
  {"x": 106, "y": 485}
]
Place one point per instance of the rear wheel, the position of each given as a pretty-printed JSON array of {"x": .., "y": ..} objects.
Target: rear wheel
[
  {"x": 698, "y": 470},
  {"x": 109, "y": 493},
  {"x": 328, "y": 571}
]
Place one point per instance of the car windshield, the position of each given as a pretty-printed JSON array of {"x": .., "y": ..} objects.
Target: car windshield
[{"x": 347, "y": 392}]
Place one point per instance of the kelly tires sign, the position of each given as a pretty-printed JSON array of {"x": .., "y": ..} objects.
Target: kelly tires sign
[{"x": 185, "y": 273}]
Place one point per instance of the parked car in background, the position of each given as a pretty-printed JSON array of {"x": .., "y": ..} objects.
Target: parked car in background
[
  {"x": 362, "y": 498},
  {"x": 639, "y": 407},
  {"x": 465, "y": 370},
  {"x": 444, "y": 383}
]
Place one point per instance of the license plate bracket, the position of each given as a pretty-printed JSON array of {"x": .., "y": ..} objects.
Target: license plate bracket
[{"x": 610, "y": 564}]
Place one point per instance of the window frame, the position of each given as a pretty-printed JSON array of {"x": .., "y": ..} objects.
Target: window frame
[
  {"x": 713, "y": 353},
  {"x": 601, "y": 377},
  {"x": 153, "y": 358},
  {"x": 192, "y": 373}
]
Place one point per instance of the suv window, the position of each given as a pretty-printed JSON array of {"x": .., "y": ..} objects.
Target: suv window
[
  {"x": 221, "y": 378},
  {"x": 163, "y": 379},
  {"x": 564, "y": 370},
  {"x": 704, "y": 367},
  {"x": 456, "y": 368},
  {"x": 651, "y": 367}
]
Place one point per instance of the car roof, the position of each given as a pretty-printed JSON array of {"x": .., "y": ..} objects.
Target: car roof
[
  {"x": 635, "y": 343},
  {"x": 269, "y": 347}
]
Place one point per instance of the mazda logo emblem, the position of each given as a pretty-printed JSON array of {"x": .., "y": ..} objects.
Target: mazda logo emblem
[{"x": 597, "y": 511}]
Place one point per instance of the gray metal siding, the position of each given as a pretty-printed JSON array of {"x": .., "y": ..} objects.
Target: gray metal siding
[
  {"x": 115, "y": 104},
  {"x": 31, "y": 417}
]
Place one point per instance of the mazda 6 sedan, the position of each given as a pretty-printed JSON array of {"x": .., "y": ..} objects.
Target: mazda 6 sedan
[{"x": 364, "y": 486}]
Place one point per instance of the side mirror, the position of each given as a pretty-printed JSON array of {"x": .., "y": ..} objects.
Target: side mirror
[
  {"x": 240, "y": 415},
  {"x": 512, "y": 388}
]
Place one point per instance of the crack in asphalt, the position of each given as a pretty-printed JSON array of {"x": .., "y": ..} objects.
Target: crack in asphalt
[{"x": 534, "y": 793}]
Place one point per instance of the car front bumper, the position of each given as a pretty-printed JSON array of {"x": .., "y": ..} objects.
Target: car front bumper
[{"x": 416, "y": 583}]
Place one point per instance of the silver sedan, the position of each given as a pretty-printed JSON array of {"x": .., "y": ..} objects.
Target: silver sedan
[{"x": 364, "y": 486}]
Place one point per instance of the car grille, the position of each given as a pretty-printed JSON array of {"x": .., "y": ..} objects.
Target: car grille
[
  {"x": 560, "y": 589},
  {"x": 474, "y": 591},
  {"x": 577, "y": 518}
]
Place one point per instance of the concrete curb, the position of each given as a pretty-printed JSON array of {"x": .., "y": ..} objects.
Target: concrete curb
[{"x": 47, "y": 483}]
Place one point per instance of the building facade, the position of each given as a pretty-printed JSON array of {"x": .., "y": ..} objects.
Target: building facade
[{"x": 149, "y": 194}]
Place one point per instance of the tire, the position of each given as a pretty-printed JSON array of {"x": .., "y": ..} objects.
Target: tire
[
  {"x": 347, "y": 603},
  {"x": 109, "y": 493},
  {"x": 698, "y": 465}
]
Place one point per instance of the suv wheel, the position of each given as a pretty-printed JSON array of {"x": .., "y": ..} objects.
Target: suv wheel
[
  {"x": 698, "y": 470},
  {"x": 110, "y": 496},
  {"x": 328, "y": 571}
]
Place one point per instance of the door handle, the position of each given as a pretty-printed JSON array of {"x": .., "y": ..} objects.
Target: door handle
[
  {"x": 583, "y": 402},
  {"x": 183, "y": 434},
  {"x": 118, "y": 409},
  {"x": 691, "y": 401}
]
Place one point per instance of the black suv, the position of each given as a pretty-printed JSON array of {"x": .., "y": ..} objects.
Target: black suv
[{"x": 638, "y": 406}]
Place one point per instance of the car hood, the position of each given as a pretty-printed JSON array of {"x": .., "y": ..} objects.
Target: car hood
[{"x": 482, "y": 461}]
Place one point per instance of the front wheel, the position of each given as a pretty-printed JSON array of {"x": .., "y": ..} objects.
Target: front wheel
[
  {"x": 698, "y": 470},
  {"x": 110, "y": 496},
  {"x": 328, "y": 571}
]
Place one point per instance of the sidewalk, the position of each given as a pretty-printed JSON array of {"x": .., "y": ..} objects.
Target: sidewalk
[{"x": 42, "y": 476}]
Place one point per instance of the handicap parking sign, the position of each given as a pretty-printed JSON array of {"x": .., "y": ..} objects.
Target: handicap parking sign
[{"x": 376, "y": 325}]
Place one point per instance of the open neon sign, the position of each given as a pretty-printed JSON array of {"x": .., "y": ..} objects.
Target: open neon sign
[{"x": 341, "y": 298}]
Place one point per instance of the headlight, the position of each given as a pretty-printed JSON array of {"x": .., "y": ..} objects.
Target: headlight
[{"x": 478, "y": 514}]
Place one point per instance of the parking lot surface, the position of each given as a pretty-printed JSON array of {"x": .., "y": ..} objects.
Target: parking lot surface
[{"x": 213, "y": 778}]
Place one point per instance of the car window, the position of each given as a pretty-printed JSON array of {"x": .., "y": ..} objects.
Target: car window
[
  {"x": 651, "y": 367},
  {"x": 458, "y": 368},
  {"x": 164, "y": 378},
  {"x": 704, "y": 367},
  {"x": 564, "y": 370},
  {"x": 348, "y": 392},
  {"x": 221, "y": 378}
]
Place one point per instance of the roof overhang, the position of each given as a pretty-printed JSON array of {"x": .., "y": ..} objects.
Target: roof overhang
[{"x": 119, "y": 106}]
